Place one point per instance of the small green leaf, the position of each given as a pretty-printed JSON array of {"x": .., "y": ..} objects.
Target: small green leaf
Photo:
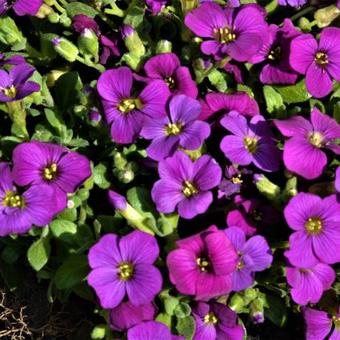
[
  {"x": 182, "y": 310},
  {"x": 274, "y": 101},
  {"x": 164, "y": 318},
  {"x": 218, "y": 80},
  {"x": 63, "y": 229},
  {"x": 186, "y": 327},
  {"x": 99, "y": 176},
  {"x": 76, "y": 8},
  {"x": 293, "y": 93},
  {"x": 38, "y": 253},
  {"x": 170, "y": 304},
  {"x": 276, "y": 311}
]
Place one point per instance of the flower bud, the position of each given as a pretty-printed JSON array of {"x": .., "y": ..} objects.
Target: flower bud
[
  {"x": 266, "y": 187},
  {"x": 126, "y": 176},
  {"x": 88, "y": 43},
  {"x": 305, "y": 24},
  {"x": 65, "y": 20},
  {"x": 237, "y": 303},
  {"x": 53, "y": 18},
  {"x": 326, "y": 15},
  {"x": 132, "y": 41},
  {"x": 188, "y": 5},
  {"x": 44, "y": 11},
  {"x": 256, "y": 310},
  {"x": 65, "y": 48},
  {"x": 163, "y": 46}
]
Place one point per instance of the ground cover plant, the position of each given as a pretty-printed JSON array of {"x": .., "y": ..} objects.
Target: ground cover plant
[{"x": 169, "y": 169}]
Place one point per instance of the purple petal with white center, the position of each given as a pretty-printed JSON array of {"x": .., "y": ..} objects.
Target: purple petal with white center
[{"x": 323, "y": 123}]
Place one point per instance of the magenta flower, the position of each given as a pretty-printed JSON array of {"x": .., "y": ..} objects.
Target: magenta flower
[
  {"x": 202, "y": 264},
  {"x": 185, "y": 184},
  {"x": 223, "y": 103},
  {"x": 316, "y": 223},
  {"x": 124, "y": 111},
  {"x": 36, "y": 163},
  {"x": 124, "y": 266},
  {"x": 20, "y": 7},
  {"x": 275, "y": 54},
  {"x": 151, "y": 330},
  {"x": 20, "y": 209},
  {"x": 238, "y": 32},
  {"x": 216, "y": 321},
  {"x": 254, "y": 255},
  {"x": 180, "y": 127},
  {"x": 12, "y": 60},
  {"x": 14, "y": 85},
  {"x": 320, "y": 62},
  {"x": 319, "y": 325},
  {"x": 82, "y": 22},
  {"x": 337, "y": 179},
  {"x": 302, "y": 153},
  {"x": 292, "y": 3},
  {"x": 250, "y": 215},
  {"x": 127, "y": 315},
  {"x": 156, "y": 6},
  {"x": 167, "y": 67},
  {"x": 308, "y": 284},
  {"x": 250, "y": 143}
]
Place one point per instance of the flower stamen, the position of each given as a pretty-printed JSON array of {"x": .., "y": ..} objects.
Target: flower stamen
[
  {"x": 316, "y": 139},
  {"x": 224, "y": 35},
  {"x": 13, "y": 200},
  {"x": 210, "y": 318},
  {"x": 250, "y": 144},
  {"x": 10, "y": 92},
  {"x": 173, "y": 129},
  {"x": 50, "y": 172},
  {"x": 170, "y": 82},
  {"x": 125, "y": 270},
  {"x": 314, "y": 226},
  {"x": 189, "y": 189},
  {"x": 203, "y": 264},
  {"x": 321, "y": 58},
  {"x": 129, "y": 104}
]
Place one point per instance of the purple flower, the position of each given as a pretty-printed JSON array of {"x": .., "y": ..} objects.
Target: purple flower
[
  {"x": 250, "y": 215},
  {"x": 337, "y": 179},
  {"x": 124, "y": 111},
  {"x": 316, "y": 223},
  {"x": 14, "y": 84},
  {"x": 82, "y": 22},
  {"x": 319, "y": 325},
  {"x": 127, "y": 315},
  {"x": 185, "y": 184},
  {"x": 151, "y": 330},
  {"x": 216, "y": 321},
  {"x": 319, "y": 62},
  {"x": 124, "y": 266},
  {"x": 37, "y": 163},
  {"x": 167, "y": 67},
  {"x": 250, "y": 143},
  {"x": 223, "y": 103},
  {"x": 231, "y": 184},
  {"x": 254, "y": 255},
  {"x": 308, "y": 284},
  {"x": 20, "y": 7},
  {"x": 180, "y": 127},
  {"x": 156, "y": 5},
  {"x": 110, "y": 47},
  {"x": 202, "y": 264},
  {"x": 238, "y": 33},
  {"x": 292, "y": 3},
  {"x": 275, "y": 52},
  {"x": 302, "y": 152},
  {"x": 21, "y": 209},
  {"x": 12, "y": 60}
]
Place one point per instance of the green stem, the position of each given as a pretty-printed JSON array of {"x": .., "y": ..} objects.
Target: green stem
[
  {"x": 271, "y": 7},
  {"x": 98, "y": 67},
  {"x": 17, "y": 114},
  {"x": 302, "y": 13}
]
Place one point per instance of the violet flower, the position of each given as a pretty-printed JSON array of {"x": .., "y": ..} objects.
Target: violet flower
[
  {"x": 180, "y": 128},
  {"x": 22, "y": 209},
  {"x": 319, "y": 325},
  {"x": 222, "y": 103},
  {"x": 151, "y": 330},
  {"x": 125, "y": 111},
  {"x": 275, "y": 53},
  {"x": 292, "y": 3},
  {"x": 14, "y": 85},
  {"x": 231, "y": 184},
  {"x": 202, "y": 264},
  {"x": 254, "y": 255},
  {"x": 12, "y": 60},
  {"x": 250, "y": 215},
  {"x": 320, "y": 62},
  {"x": 82, "y": 22},
  {"x": 127, "y": 315},
  {"x": 216, "y": 321},
  {"x": 124, "y": 266},
  {"x": 302, "y": 152},
  {"x": 156, "y": 6},
  {"x": 37, "y": 163},
  {"x": 250, "y": 143},
  {"x": 167, "y": 67},
  {"x": 109, "y": 47},
  {"x": 238, "y": 33},
  {"x": 316, "y": 223},
  {"x": 337, "y": 179},
  {"x": 20, "y": 7},
  {"x": 308, "y": 284},
  {"x": 185, "y": 184}
]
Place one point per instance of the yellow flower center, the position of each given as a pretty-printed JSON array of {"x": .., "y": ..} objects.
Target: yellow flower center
[
  {"x": 321, "y": 58},
  {"x": 170, "y": 82},
  {"x": 125, "y": 270},
  {"x": 189, "y": 189},
  {"x": 256, "y": 215},
  {"x": 274, "y": 54},
  {"x": 336, "y": 321},
  {"x": 313, "y": 226},
  {"x": 50, "y": 172},
  {"x": 237, "y": 179},
  {"x": 250, "y": 144},
  {"x": 173, "y": 129},
  {"x": 13, "y": 200},
  {"x": 10, "y": 91},
  {"x": 203, "y": 264},
  {"x": 316, "y": 139},
  {"x": 210, "y": 318},
  {"x": 129, "y": 104},
  {"x": 224, "y": 35}
]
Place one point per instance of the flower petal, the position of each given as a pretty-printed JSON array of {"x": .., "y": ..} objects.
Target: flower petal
[
  {"x": 234, "y": 149},
  {"x": 207, "y": 172},
  {"x": 195, "y": 205}
]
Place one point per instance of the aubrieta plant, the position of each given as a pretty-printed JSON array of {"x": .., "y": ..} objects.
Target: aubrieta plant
[{"x": 169, "y": 169}]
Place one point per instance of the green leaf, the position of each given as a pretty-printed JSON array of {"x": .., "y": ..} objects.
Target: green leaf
[
  {"x": 164, "y": 318},
  {"x": 186, "y": 327},
  {"x": 135, "y": 13},
  {"x": 38, "y": 253},
  {"x": 71, "y": 272},
  {"x": 182, "y": 310},
  {"x": 76, "y": 8},
  {"x": 293, "y": 93},
  {"x": 218, "y": 80},
  {"x": 55, "y": 121},
  {"x": 63, "y": 229},
  {"x": 276, "y": 311},
  {"x": 170, "y": 304},
  {"x": 10, "y": 34},
  {"x": 99, "y": 176},
  {"x": 140, "y": 199},
  {"x": 274, "y": 101}
]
